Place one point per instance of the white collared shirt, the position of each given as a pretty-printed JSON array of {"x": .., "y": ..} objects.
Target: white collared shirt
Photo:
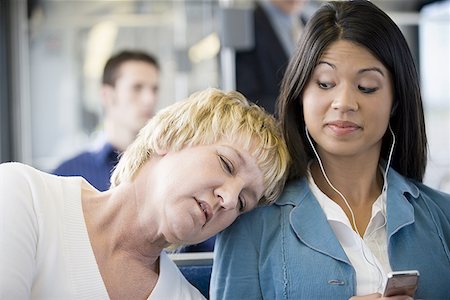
[{"x": 368, "y": 255}]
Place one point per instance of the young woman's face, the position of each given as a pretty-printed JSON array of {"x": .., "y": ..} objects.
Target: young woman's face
[
  {"x": 202, "y": 189},
  {"x": 347, "y": 101}
]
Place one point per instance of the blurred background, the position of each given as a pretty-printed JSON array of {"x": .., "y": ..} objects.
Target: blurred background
[{"x": 52, "y": 54}]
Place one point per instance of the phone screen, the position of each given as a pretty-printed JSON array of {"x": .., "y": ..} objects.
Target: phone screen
[{"x": 401, "y": 283}]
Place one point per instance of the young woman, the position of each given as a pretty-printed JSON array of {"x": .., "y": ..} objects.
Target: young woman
[
  {"x": 192, "y": 170},
  {"x": 355, "y": 208}
]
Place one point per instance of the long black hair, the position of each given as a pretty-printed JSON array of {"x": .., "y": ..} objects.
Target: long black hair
[{"x": 363, "y": 23}]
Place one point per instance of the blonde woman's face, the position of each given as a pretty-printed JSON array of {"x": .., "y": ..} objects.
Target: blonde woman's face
[{"x": 201, "y": 190}]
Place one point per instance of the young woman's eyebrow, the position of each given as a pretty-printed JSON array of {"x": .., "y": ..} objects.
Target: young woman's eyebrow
[
  {"x": 326, "y": 63},
  {"x": 372, "y": 69}
]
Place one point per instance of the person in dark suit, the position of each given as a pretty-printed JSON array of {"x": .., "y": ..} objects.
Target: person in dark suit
[{"x": 259, "y": 70}]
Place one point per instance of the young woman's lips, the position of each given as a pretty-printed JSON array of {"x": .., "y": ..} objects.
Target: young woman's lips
[
  {"x": 341, "y": 128},
  {"x": 206, "y": 209}
]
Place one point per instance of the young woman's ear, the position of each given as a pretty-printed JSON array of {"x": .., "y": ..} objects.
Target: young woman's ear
[{"x": 394, "y": 109}]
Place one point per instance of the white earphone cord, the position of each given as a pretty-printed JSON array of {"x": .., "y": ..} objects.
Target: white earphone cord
[
  {"x": 385, "y": 184},
  {"x": 336, "y": 190}
]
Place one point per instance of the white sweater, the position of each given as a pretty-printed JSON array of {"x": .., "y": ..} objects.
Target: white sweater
[{"x": 45, "y": 251}]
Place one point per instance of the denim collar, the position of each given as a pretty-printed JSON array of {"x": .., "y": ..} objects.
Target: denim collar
[{"x": 310, "y": 224}]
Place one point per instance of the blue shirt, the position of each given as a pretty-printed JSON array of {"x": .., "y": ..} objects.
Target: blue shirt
[
  {"x": 289, "y": 250},
  {"x": 94, "y": 166},
  {"x": 206, "y": 246}
]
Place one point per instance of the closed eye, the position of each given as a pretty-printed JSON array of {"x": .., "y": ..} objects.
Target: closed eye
[
  {"x": 367, "y": 90},
  {"x": 228, "y": 167},
  {"x": 325, "y": 85},
  {"x": 226, "y": 164}
]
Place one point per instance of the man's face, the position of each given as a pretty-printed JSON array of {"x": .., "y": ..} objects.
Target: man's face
[{"x": 132, "y": 101}]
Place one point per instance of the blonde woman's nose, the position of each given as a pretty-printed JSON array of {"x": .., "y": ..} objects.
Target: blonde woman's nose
[{"x": 228, "y": 194}]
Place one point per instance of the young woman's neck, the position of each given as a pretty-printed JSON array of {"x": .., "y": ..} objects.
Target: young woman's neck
[{"x": 359, "y": 180}]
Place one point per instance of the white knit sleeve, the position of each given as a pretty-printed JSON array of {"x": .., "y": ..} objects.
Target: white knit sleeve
[{"x": 18, "y": 232}]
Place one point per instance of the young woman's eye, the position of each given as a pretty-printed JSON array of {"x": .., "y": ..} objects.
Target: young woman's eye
[
  {"x": 325, "y": 85},
  {"x": 226, "y": 164},
  {"x": 367, "y": 90}
]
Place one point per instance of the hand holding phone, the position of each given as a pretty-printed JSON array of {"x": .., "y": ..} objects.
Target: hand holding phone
[{"x": 401, "y": 283}]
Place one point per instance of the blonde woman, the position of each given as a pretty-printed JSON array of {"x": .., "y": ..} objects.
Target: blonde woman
[{"x": 193, "y": 169}]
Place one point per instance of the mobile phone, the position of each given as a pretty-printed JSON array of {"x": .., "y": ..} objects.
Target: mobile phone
[{"x": 401, "y": 283}]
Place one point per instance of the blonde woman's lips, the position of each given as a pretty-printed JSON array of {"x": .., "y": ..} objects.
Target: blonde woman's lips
[{"x": 206, "y": 208}]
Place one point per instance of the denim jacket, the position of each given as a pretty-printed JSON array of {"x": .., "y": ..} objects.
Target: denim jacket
[{"x": 289, "y": 251}]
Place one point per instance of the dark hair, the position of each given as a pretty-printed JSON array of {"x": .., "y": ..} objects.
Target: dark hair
[
  {"x": 363, "y": 23},
  {"x": 112, "y": 66}
]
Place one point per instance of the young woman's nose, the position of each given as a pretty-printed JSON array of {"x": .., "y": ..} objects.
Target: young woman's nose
[{"x": 344, "y": 99}]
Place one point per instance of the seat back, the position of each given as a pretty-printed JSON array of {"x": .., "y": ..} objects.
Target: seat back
[{"x": 196, "y": 267}]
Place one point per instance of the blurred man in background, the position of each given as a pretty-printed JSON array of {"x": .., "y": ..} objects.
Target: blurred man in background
[{"x": 129, "y": 96}]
